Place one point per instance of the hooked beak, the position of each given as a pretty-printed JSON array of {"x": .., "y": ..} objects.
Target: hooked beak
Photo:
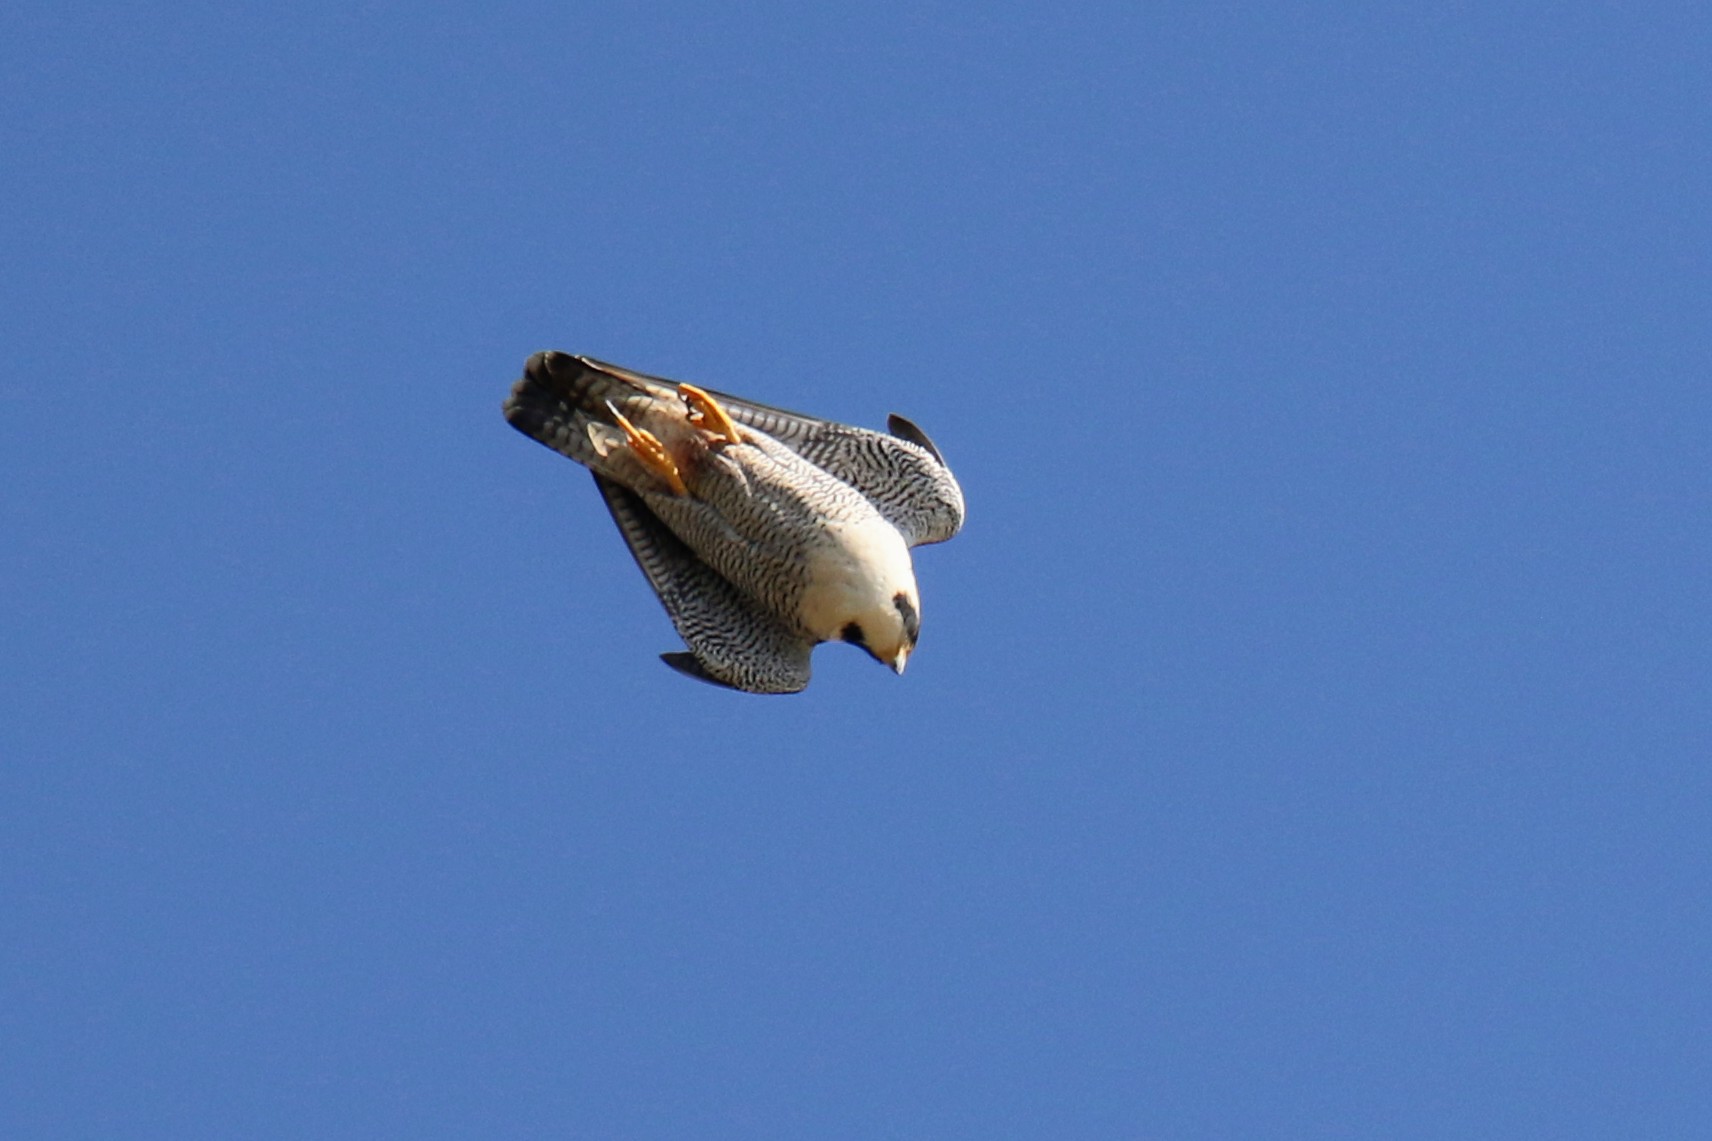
[{"x": 899, "y": 659}]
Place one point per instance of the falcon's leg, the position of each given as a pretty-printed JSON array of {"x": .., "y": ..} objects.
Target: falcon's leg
[
  {"x": 706, "y": 414},
  {"x": 651, "y": 452}
]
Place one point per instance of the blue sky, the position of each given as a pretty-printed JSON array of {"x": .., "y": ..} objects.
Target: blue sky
[{"x": 1309, "y": 734}]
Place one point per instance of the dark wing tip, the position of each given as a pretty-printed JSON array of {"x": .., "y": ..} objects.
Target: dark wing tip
[
  {"x": 906, "y": 430},
  {"x": 690, "y": 666}
]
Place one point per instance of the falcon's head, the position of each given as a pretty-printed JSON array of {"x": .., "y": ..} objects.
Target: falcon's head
[
  {"x": 861, "y": 589},
  {"x": 888, "y": 631}
]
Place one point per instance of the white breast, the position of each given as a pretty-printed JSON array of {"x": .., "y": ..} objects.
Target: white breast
[{"x": 858, "y": 568}]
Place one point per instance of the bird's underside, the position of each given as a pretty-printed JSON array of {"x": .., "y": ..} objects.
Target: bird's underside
[{"x": 762, "y": 531}]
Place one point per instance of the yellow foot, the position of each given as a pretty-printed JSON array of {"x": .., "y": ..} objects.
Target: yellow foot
[
  {"x": 706, "y": 414},
  {"x": 651, "y": 452}
]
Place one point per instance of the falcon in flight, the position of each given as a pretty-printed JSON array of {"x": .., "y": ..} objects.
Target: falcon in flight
[{"x": 764, "y": 532}]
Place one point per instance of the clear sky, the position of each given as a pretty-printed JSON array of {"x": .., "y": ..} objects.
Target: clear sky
[{"x": 1310, "y": 733}]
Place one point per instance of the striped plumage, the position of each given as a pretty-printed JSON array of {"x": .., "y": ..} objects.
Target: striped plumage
[{"x": 797, "y": 533}]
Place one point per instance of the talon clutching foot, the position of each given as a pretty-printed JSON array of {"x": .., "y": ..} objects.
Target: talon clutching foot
[
  {"x": 706, "y": 414},
  {"x": 651, "y": 452}
]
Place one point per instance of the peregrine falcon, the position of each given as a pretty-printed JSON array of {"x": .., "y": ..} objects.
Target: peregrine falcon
[{"x": 764, "y": 532}]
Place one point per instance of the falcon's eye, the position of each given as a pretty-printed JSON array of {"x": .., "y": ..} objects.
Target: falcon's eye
[
  {"x": 912, "y": 620},
  {"x": 852, "y": 633}
]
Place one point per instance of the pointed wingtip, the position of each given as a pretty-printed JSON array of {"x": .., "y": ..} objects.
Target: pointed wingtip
[
  {"x": 690, "y": 666},
  {"x": 906, "y": 430}
]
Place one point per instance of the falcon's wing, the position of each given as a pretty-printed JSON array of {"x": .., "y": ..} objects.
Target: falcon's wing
[
  {"x": 733, "y": 643},
  {"x": 902, "y": 474}
]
